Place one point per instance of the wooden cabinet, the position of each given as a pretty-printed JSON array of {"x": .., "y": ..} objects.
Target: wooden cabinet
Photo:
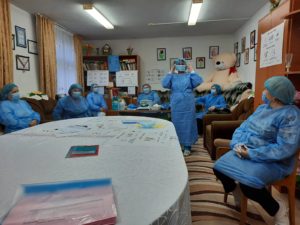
[{"x": 287, "y": 13}]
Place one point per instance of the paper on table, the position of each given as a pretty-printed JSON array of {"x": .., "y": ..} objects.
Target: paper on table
[{"x": 75, "y": 202}]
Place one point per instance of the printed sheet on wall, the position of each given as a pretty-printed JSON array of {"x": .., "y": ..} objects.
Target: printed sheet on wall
[
  {"x": 127, "y": 78},
  {"x": 99, "y": 77}
]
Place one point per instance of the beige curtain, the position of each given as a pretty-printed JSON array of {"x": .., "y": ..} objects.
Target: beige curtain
[
  {"x": 47, "y": 55},
  {"x": 6, "y": 56},
  {"x": 78, "y": 51}
]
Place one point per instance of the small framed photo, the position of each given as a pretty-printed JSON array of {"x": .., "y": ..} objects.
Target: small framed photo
[
  {"x": 246, "y": 56},
  {"x": 243, "y": 44},
  {"x": 252, "y": 39},
  {"x": 161, "y": 54},
  {"x": 22, "y": 62},
  {"x": 187, "y": 53},
  {"x": 13, "y": 42},
  {"x": 236, "y": 48},
  {"x": 200, "y": 62},
  {"x": 254, "y": 53},
  {"x": 172, "y": 61},
  {"x": 213, "y": 51},
  {"x": 238, "y": 60},
  {"x": 20, "y": 37},
  {"x": 32, "y": 47}
]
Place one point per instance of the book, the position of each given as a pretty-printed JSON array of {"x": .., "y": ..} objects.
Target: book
[
  {"x": 89, "y": 202},
  {"x": 83, "y": 150}
]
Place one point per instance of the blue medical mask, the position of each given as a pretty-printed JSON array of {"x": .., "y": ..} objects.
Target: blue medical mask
[
  {"x": 213, "y": 91},
  {"x": 76, "y": 94},
  {"x": 146, "y": 90},
  {"x": 95, "y": 90},
  {"x": 265, "y": 99},
  {"x": 15, "y": 96},
  {"x": 180, "y": 68}
]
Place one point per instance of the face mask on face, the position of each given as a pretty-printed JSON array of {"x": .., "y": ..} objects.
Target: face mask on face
[
  {"x": 213, "y": 91},
  {"x": 76, "y": 94},
  {"x": 180, "y": 68},
  {"x": 95, "y": 90},
  {"x": 15, "y": 96},
  {"x": 265, "y": 99},
  {"x": 146, "y": 90}
]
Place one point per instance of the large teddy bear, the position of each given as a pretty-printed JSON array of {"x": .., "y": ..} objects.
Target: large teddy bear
[{"x": 225, "y": 74}]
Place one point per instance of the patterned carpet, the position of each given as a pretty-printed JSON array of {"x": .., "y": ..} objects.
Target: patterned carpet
[{"x": 207, "y": 194}]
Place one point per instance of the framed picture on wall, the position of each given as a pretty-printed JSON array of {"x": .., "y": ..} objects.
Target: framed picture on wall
[
  {"x": 172, "y": 60},
  {"x": 213, "y": 51},
  {"x": 246, "y": 56},
  {"x": 13, "y": 42},
  {"x": 238, "y": 60},
  {"x": 236, "y": 48},
  {"x": 20, "y": 37},
  {"x": 243, "y": 44},
  {"x": 252, "y": 39},
  {"x": 161, "y": 54},
  {"x": 187, "y": 53},
  {"x": 22, "y": 62},
  {"x": 200, "y": 62},
  {"x": 32, "y": 47}
]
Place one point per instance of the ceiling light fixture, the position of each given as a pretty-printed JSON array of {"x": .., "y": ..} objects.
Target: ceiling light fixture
[
  {"x": 89, "y": 8},
  {"x": 195, "y": 9}
]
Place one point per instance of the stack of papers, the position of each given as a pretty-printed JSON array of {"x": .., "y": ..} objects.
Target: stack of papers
[{"x": 72, "y": 203}]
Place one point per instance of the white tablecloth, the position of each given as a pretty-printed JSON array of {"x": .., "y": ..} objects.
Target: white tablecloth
[{"x": 149, "y": 175}]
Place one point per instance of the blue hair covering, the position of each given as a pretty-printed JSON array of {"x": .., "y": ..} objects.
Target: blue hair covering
[
  {"x": 180, "y": 61},
  {"x": 6, "y": 89},
  {"x": 218, "y": 88},
  {"x": 281, "y": 88},
  {"x": 94, "y": 85},
  {"x": 74, "y": 86}
]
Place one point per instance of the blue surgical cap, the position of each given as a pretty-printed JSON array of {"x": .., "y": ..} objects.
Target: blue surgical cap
[
  {"x": 6, "y": 89},
  {"x": 281, "y": 88},
  {"x": 180, "y": 61},
  {"x": 94, "y": 85},
  {"x": 218, "y": 88},
  {"x": 75, "y": 86}
]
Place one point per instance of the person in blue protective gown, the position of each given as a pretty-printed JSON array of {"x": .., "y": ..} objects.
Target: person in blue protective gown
[
  {"x": 16, "y": 114},
  {"x": 96, "y": 101},
  {"x": 148, "y": 94},
  {"x": 72, "y": 106},
  {"x": 264, "y": 148},
  {"x": 213, "y": 101},
  {"x": 182, "y": 80}
]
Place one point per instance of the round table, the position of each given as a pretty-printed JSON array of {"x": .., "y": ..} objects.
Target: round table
[{"x": 148, "y": 171}]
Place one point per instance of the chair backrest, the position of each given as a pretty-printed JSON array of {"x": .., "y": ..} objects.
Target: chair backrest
[{"x": 244, "y": 109}]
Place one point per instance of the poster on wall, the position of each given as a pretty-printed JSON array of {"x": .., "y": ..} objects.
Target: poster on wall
[
  {"x": 127, "y": 78},
  {"x": 154, "y": 76},
  {"x": 99, "y": 77},
  {"x": 271, "y": 46}
]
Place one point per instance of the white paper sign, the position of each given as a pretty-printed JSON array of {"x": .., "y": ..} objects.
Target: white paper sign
[
  {"x": 131, "y": 90},
  {"x": 271, "y": 46},
  {"x": 154, "y": 76},
  {"x": 127, "y": 78},
  {"x": 99, "y": 77}
]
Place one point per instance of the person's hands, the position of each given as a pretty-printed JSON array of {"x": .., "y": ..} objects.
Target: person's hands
[
  {"x": 190, "y": 68},
  {"x": 33, "y": 123},
  {"x": 241, "y": 151},
  {"x": 212, "y": 108},
  {"x": 172, "y": 69}
]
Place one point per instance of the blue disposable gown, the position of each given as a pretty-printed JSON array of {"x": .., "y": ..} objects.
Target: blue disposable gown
[
  {"x": 68, "y": 107},
  {"x": 183, "y": 105},
  {"x": 210, "y": 100},
  {"x": 96, "y": 102},
  {"x": 272, "y": 138},
  {"x": 153, "y": 96},
  {"x": 17, "y": 115}
]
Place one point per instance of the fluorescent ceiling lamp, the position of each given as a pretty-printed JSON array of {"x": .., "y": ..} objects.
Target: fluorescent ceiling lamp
[
  {"x": 89, "y": 8},
  {"x": 195, "y": 9}
]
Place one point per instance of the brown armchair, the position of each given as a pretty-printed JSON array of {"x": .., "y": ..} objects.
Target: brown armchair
[{"x": 223, "y": 125}]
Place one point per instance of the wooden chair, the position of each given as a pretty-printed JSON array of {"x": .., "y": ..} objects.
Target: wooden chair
[{"x": 289, "y": 183}]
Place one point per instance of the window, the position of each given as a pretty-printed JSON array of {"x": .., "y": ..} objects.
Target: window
[{"x": 65, "y": 60}]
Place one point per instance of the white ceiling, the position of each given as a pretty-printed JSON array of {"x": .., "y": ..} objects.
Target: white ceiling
[{"x": 131, "y": 17}]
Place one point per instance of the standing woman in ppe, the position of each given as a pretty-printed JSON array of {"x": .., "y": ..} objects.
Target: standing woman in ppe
[
  {"x": 16, "y": 114},
  {"x": 72, "y": 106},
  {"x": 96, "y": 101},
  {"x": 182, "y": 80}
]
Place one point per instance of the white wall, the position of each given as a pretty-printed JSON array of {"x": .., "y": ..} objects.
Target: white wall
[
  {"x": 247, "y": 71},
  {"x": 146, "y": 49},
  {"x": 26, "y": 80}
]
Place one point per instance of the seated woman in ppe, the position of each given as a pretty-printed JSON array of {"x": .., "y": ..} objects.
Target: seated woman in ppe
[
  {"x": 72, "y": 106},
  {"x": 96, "y": 101},
  {"x": 263, "y": 149},
  {"x": 182, "y": 80},
  {"x": 214, "y": 100},
  {"x": 148, "y": 94},
  {"x": 16, "y": 114}
]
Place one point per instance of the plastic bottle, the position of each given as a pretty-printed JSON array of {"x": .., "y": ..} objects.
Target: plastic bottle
[{"x": 115, "y": 104}]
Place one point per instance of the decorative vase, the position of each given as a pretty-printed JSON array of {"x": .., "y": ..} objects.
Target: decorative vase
[{"x": 129, "y": 51}]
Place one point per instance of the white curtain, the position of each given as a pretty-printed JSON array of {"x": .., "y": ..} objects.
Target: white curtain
[{"x": 66, "y": 60}]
